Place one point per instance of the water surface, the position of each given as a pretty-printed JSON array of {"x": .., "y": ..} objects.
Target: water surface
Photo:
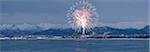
[{"x": 74, "y": 46}]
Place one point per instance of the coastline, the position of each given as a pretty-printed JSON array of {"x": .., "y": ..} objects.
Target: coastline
[{"x": 84, "y": 39}]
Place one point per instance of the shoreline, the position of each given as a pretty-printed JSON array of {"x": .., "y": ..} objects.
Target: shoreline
[{"x": 84, "y": 39}]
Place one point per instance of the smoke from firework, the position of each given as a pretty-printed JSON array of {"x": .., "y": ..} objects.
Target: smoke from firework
[{"x": 82, "y": 16}]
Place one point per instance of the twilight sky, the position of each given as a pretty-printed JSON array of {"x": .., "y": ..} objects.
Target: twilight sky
[{"x": 54, "y": 11}]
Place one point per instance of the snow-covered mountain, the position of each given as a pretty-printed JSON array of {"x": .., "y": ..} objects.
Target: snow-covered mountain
[
  {"x": 25, "y": 26},
  {"x": 47, "y": 28}
]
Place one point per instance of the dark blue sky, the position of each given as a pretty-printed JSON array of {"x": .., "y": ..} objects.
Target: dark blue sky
[{"x": 54, "y": 11}]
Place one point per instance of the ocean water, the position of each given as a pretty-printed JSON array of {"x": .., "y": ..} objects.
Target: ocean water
[{"x": 74, "y": 46}]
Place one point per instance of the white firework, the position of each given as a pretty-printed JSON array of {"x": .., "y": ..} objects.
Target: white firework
[{"x": 82, "y": 16}]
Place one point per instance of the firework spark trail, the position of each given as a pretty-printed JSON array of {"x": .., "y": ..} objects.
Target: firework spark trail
[{"x": 82, "y": 16}]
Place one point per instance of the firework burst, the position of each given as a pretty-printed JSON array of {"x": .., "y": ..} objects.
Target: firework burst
[{"x": 82, "y": 16}]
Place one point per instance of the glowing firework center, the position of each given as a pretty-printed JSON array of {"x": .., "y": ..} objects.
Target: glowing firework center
[{"x": 81, "y": 16}]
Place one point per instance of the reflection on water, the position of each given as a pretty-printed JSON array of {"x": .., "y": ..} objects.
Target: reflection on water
[{"x": 74, "y": 46}]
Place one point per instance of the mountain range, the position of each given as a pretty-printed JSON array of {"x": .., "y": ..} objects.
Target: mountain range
[
  {"x": 97, "y": 30},
  {"x": 47, "y": 30}
]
